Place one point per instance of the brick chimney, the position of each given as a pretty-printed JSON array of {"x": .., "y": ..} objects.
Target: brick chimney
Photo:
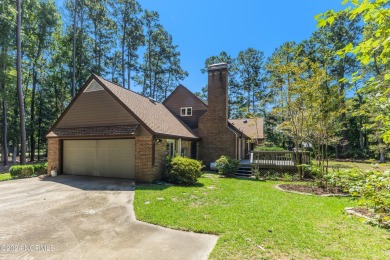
[{"x": 217, "y": 138}]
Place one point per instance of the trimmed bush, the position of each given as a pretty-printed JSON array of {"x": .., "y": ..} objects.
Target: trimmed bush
[
  {"x": 21, "y": 171},
  {"x": 269, "y": 148},
  {"x": 226, "y": 165},
  {"x": 183, "y": 171},
  {"x": 40, "y": 168}
]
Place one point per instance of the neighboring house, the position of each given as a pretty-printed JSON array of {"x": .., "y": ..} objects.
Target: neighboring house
[{"x": 109, "y": 131}]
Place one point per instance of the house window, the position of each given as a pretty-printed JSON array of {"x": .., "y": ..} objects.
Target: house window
[
  {"x": 170, "y": 148},
  {"x": 186, "y": 111}
]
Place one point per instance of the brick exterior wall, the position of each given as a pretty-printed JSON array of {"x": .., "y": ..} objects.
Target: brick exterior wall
[
  {"x": 54, "y": 156},
  {"x": 160, "y": 154},
  {"x": 217, "y": 138},
  {"x": 149, "y": 168}
]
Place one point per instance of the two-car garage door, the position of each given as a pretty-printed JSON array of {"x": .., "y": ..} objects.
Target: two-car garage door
[{"x": 107, "y": 158}]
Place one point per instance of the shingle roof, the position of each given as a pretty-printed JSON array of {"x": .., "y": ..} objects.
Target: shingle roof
[
  {"x": 94, "y": 131},
  {"x": 251, "y": 127},
  {"x": 153, "y": 114}
]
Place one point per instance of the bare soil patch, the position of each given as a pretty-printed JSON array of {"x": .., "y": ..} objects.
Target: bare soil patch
[
  {"x": 367, "y": 213},
  {"x": 300, "y": 188}
]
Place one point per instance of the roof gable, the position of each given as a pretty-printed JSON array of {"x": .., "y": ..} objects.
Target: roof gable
[
  {"x": 183, "y": 96},
  {"x": 95, "y": 107},
  {"x": 153, "y": 115}
]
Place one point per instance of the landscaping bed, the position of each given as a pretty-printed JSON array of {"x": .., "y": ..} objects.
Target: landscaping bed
[
  {"x": 301, "y": 188},
  {"x": 381, "y": 219}
]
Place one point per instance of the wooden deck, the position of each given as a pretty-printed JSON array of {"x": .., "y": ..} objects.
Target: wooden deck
[{"x": 279, "y": 161}]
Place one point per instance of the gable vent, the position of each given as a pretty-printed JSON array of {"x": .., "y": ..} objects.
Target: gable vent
[{"x": 93, "y": 86}]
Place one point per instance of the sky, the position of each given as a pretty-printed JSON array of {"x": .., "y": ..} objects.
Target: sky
[{"x": 203, "y": 28}]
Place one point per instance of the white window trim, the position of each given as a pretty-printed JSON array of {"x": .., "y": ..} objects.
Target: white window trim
[{"x": 186, "y": 111}]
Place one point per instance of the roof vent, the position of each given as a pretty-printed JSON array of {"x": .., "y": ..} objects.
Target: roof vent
[
  {"x": 152, "y": 100},
  {"x": 93, "y": 86}
]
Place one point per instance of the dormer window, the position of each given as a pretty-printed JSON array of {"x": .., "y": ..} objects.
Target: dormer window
[{"x": 186, "y": 111}]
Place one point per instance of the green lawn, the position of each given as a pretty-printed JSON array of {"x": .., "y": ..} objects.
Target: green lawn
[
  {"x": 5, "y": 177},
  {"x": 250, "y": 215},
  {"x": 362, "y": 166}
]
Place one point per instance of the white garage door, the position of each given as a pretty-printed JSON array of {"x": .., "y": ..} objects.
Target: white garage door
[{"x": 107, "y": 158}]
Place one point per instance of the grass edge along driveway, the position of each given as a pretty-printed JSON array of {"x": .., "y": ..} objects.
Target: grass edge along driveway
[
  {"x": 5, "y": 176},
  {"x": 254, "y": 220}
]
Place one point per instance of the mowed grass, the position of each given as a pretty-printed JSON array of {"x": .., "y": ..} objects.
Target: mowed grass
[
  {"x": 5, "y": 177},
  {"x": 250, "y": 216},
  {"x": 361, "y": 166}
]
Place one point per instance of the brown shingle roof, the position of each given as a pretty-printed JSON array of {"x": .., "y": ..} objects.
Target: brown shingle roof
[
  {"x": 94, "y": 131},
  {"x": 251, "y": 127},
  {"x": 154, "y": 115}
]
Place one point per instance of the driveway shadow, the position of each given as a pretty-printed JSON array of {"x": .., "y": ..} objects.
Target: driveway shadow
[{"x": 91, "y": 183}]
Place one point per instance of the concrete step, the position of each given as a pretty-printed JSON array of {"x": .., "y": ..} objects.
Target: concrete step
[
  {"x": 245, "y": 168},
  {"x": 244, "y": 171},
  {"x": 243, "y": 174}
]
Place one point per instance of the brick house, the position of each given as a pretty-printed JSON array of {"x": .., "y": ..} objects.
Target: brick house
[{"x": 109, "y": 131}]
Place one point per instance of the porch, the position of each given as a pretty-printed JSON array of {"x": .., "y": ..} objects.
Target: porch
[{"x": 272, "y": 161}]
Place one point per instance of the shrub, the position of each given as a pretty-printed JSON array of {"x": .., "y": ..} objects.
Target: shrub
[
  {"x": 21, "y": 171},
  {"x": 226, "y": 165},
  {"x": 335, "y": 177},
  {"x": 183, "y": 171},
  {"x": 374, "y": 191},
  {"x": 269, "y": 148},
  {"x": 40, "y": 168}
]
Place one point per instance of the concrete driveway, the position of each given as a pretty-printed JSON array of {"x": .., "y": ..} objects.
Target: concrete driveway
[{"x": 75, "y": 217}]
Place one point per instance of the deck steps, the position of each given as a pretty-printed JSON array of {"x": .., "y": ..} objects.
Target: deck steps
[{"x": 244, "y": 170}]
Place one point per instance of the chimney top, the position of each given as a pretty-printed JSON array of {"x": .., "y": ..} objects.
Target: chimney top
[{"x": 218, "y": 66}]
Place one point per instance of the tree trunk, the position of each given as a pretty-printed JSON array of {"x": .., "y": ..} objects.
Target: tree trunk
[
  {"x": 123, "y": 52},
  {"x": 100, "y": 52},
  {"x": 128, "y": 68},
  {"x": 32, "y": 114},
  {"x": 4, "y": 112},
  {"x": 336, "y": 148},
  {"x": 253, "y": 101},
  {"x": 39, "y": 125},
  {"x": 361, "y": 134},
  {"x": 344, "y": 144},
  {"x": 74, "y": 50},
  {"x": 249, "y": 99},
  {"x": 15, "y": 146},
  {"x": 19, "y": 82},
  {"x": 344, "y": 140},
  {"x": 381, "y": 151},
  {"x": 150, "y": 65},
  {"x": 5, "y": 130}
]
